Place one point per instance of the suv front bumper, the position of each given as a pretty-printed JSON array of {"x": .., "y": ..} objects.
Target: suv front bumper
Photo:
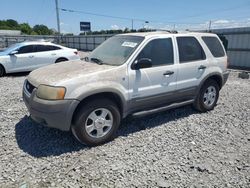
[{"x": 52, "y": 113}]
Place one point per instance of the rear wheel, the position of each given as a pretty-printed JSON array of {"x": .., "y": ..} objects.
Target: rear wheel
[
  {"x": 208, "y": 96},
  {"x": 96, "y": 122},
  {"x": 2, "y": 71}
]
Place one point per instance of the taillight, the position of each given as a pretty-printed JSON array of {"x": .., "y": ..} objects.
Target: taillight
[{"x": 76, "y": 52}]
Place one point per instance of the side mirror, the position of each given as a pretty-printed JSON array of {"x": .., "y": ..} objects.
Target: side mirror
[
  {"x": 13, "y": 52},
  {"x": 142, "y": 63}
]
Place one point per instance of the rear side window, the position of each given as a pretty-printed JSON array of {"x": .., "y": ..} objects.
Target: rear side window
[
  {"x": 214, "y": 46},
  {"x": 53, "y": 47},
  {"x": 160, "y": 51},
  {"x": 44, "y": 48},
  {"x": 190, "y": 49},
  {"x": 26, "y": 49}
]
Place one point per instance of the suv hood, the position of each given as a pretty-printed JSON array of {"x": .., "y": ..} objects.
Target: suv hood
[{"x": 58, "y": 73}]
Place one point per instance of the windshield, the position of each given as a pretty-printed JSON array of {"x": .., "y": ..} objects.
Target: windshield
[
  {"x": 12, "y": 48},
  {"x": 116, "y": 50}
]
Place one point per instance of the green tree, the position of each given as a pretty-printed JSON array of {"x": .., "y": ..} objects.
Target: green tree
[
  {"x": 25, "y": 28},
  {"x": 13, "y": 24},
  {"x": 42, "y": 30}
]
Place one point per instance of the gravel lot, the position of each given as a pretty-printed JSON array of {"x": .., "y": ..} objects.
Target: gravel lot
[{"x": 177, "y": 148}]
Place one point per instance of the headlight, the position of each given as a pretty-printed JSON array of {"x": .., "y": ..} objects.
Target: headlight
[{"x": 50, "y": 92}]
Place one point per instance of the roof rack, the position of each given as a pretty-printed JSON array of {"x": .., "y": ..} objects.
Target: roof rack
[{"x": 169, "y": 31}]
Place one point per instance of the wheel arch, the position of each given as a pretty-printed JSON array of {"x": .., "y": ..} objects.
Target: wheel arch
[
  {"x": 214, "y": 76},
  {"x": 1, "y": 65},
  {"x": 116, "y": 98},
  {"x": 61, "y": 58}
]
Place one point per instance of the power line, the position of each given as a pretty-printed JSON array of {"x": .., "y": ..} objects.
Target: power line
[
  {"x": 217, "y": 10},
  {"x": 122, "y": 18},
  {"x": 102, "y": 15},
  {"x": 144, "y": 20}
]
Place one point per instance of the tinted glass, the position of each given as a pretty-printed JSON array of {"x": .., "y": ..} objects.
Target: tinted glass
[
  {"x": 26, "y": 49},
  {"x": 44, "y": 48},
  {"x": 41, "y": 48},
  {"x": 53, "y": 47},
  {"x": 160, "y": 51},
  {"x": 189, "y": 49},
  {"x": 214, "y": 46}
]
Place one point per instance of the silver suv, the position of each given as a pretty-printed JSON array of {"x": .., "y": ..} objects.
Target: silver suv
[{"x": 127, "y": 74}]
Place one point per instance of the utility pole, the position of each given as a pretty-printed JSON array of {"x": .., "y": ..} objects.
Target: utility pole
[
  {"x": 58, "y": 20},
  {"x": 209, "y": 26},
  {"x": 132, "y": 24}
]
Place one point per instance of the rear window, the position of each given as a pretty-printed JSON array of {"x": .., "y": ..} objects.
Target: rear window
[
  {"x": 190, "y": 49},
  {"x": 214, "y": 46}
]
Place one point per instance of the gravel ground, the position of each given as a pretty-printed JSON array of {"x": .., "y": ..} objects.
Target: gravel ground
[{"x": 176, "y": 148}]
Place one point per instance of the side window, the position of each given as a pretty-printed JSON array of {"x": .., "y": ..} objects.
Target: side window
[
  {"x": 190, "y": 49},
  {"x": 160, "y": 51},
  {"x": 26, "y": 49},
  {"x": 214, "y": 46},
  {"x": 53, "y": 47},
  {"x": 42, "y": 48}
]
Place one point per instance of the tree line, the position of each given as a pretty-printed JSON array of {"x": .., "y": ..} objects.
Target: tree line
[{"x": 26, "y": 29}]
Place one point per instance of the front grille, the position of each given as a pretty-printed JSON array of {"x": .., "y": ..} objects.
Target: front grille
[{"x": 29, "y": 87}]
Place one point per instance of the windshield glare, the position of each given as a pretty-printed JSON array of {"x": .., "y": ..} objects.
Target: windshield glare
[
  {"x": 116, "y": 50},
  {"x": 12, "y": 48}
]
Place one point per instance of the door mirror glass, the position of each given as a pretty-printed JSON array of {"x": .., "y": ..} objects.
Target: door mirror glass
[
  {"x": 13, "y": 52},
  {"x": 142, "y": 63}
]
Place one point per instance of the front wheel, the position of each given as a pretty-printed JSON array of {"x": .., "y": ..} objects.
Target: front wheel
[
  {"x": 96, "y": 122},
  {"x": 2, "y": 71},
  {"x": 207, "y": 97}
]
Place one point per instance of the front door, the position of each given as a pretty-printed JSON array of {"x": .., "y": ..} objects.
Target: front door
[
  {"x": 150, "y": 87},
  {"x": 24, "y": 59}
]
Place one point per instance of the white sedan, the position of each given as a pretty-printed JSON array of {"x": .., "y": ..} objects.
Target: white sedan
[{"x": 27, "y": 56}]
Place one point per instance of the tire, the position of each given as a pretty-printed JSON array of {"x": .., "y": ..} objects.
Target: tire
[
  {"x": 90, "y": 122},
  {"x": 207, "y": 97},
  {"x": 2, "y": 71},
  {"x": 61, "y": 60}
]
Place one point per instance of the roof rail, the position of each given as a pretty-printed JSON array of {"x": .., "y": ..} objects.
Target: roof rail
[{"x": 169, "y": 31}]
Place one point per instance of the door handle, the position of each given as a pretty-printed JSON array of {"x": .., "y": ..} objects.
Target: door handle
[
  {"x": 168, "y": 73},
  {"x": 31, "y": 56},
  {"x": 202, "y": 67},
  {"x": 53, "y": 54}
]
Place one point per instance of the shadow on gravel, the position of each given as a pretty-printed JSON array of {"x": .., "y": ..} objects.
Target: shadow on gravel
[
  {"x": 20, "y": 74},
  {"x": 40, "y": 141}
]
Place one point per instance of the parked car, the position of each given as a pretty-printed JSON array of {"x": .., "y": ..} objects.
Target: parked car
[
  {"x": 28, "y": 56},
  {"x": 127, "y": 74}
]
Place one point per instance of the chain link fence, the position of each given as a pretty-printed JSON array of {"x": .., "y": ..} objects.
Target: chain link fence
[{"x": 81, "y": 42}]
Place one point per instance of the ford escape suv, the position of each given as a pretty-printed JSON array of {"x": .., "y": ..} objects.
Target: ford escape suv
[{"x": 127, "y": 74}]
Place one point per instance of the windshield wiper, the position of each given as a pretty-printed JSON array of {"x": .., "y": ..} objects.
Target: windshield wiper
[{"x": 96, "y": 60}]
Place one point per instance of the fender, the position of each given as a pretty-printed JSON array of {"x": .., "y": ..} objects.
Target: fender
[
  {"x": 104, "y": 90},
  {"x": 217, "y": 74}
]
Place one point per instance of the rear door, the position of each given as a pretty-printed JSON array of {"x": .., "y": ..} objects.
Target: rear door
[
  {"x": 192, "y": 64},
  {"x": 149, "y": 87},
  {"x": 46, "y": 54}
]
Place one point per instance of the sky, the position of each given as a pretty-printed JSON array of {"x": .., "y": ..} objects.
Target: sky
[{"x": 155, "y": 14}]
